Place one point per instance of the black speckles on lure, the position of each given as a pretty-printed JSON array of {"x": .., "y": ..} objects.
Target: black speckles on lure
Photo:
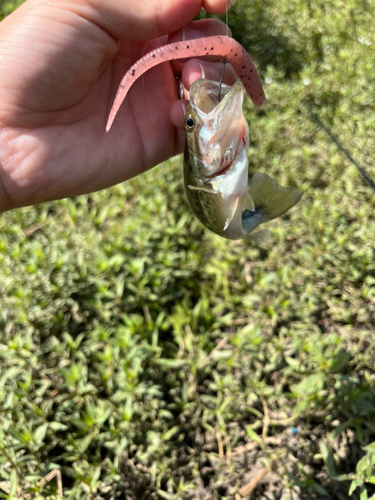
[{"x": 222, "y": 46}]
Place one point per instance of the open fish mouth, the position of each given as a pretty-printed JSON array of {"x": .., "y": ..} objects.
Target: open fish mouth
[
  {"x": 222, "y": 128},
  {"x": 228, "y": 165},
  {"x": 204, "y": 97},
  {"x": 222, "y": 172},
  {"x": 225, "y": 169}
]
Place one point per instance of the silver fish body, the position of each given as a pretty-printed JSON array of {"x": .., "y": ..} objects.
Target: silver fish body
[{"x": 216, "y": 174}]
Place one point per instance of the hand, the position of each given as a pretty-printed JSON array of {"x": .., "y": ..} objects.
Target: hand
[{"x": 60, "y": 67}]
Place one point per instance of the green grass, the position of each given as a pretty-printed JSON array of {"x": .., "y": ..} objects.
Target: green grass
[{"x": 111, "y": 303}]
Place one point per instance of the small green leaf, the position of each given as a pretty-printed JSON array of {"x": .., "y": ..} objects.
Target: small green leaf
[
  {"x": 167, "y": 436},
  {"x": 13, "y": 484},
  {"x": 165, "y": 495},
  {"x": 253, "y": 435},
  {"x": 354, "y": 484},
  {"x": 40, "y": 433},
  {"x": 370, "y": 447},
  {"x": 363, "y": 495},
  {"x": 309, "y": 385},
  {"x": 57, "y": 426}
]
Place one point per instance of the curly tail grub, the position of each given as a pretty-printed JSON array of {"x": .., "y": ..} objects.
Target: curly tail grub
[{"x": 223, "y": 46}]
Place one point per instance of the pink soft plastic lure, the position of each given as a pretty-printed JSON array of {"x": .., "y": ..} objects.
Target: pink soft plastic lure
[{"x": 223, "y": 46}]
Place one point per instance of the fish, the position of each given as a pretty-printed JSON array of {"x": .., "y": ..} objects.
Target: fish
[
  {"x": 219, "y": 45},
  {"x": 217, "y": 186},
  {"x": 220, "y": 191}
]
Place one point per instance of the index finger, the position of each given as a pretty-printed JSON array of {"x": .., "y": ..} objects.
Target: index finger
[{"x": 131, "y": 20}]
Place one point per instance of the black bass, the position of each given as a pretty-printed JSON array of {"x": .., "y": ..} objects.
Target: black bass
[{"x": 219, "y": 189}]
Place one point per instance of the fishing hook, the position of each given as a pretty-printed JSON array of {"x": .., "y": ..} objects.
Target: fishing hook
[{"x": 224, "y": 62}]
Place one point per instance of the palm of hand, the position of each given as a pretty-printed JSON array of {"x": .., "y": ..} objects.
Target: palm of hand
[{"x": 60, "y": 111}]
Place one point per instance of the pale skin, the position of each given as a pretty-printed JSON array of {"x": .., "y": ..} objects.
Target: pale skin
[{"x": 60, "y": 66}]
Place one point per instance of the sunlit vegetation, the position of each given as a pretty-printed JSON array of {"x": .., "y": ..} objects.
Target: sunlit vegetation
[{"x": 112, "y": 305}]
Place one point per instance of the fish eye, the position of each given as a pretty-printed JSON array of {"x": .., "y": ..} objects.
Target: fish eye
[{"x": 189, "y": 122}]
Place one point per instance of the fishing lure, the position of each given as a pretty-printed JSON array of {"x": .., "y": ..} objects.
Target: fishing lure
[{"x": 222, "y": 46}]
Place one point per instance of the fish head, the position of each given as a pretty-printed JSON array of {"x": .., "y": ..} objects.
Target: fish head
[{"x": 215, "y": 128}]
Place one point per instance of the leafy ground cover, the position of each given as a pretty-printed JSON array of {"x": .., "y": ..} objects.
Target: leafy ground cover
[{"x": 146, "y": 358}]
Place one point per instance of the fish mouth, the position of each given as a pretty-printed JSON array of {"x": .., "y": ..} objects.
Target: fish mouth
[
  {"x": 224, "y": 170},
  {"x": 229, "y": 165},
  {"x": 221, "y": 130},
  {"x": 204, "y": 97}
]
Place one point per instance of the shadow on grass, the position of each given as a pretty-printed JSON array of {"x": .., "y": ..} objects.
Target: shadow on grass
[{"x": 294, "y": 451}]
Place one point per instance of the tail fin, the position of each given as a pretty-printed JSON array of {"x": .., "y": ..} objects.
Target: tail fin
[{"x": 271, "y": 200}]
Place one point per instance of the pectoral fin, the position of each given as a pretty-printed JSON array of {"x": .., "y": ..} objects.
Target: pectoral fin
[
  {"x": 248, "y": 202},
  {"x": 205, "y": 190},
  {"x": 271, "y": 200},
  {"x": 232, "y": 212},
  {"x": 270, "y": 197}
]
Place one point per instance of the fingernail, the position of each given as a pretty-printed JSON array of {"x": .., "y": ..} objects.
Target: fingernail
[
  {"x": 185, "y": 34},
  {"x": 190, "y": 33}
]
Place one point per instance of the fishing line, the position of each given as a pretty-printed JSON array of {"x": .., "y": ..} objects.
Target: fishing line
[
  {"x": 360, "y": 169},
  {"x": 224, "y": 61},
  {"x": 227, "y": 18}
]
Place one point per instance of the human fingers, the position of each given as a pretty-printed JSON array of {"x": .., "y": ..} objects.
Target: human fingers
[
  {"x": 197, "y": 29},
  {"x": 196, "y": 68},
  {"x": 131, "y": 20},
  {"x": 216, "y": 6},
  {"x": 177, "y": 113}
]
